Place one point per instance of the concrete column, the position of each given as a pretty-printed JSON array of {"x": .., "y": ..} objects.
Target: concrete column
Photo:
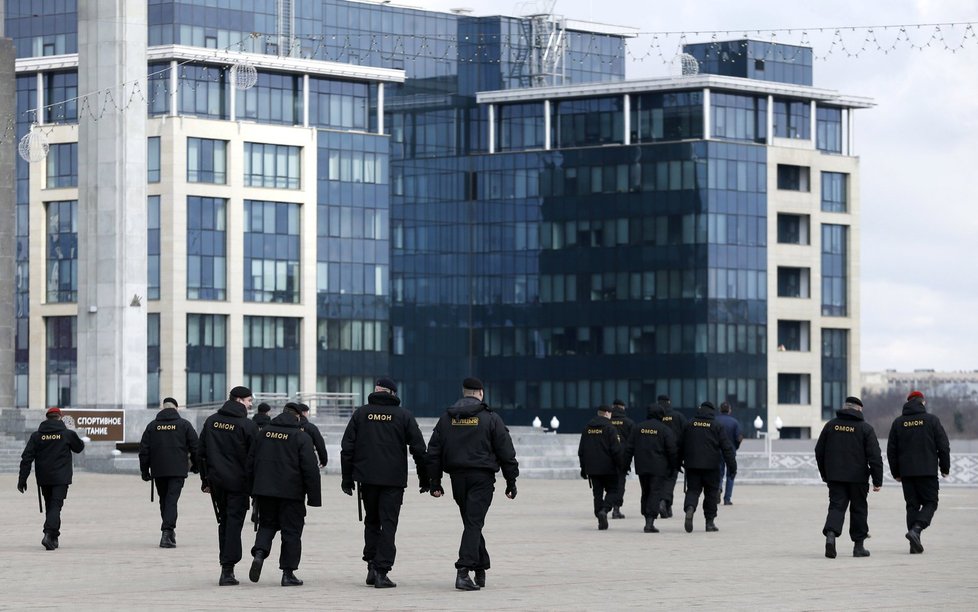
[
  {"x": 547, "y": 141},
  {"x": 770, "y": 120},
  {"x": 111, "y": 208},
  {"x": 627, "y": 123},
  {"x": 492, "y": 128},
  {"x": 8, "y": 203},
  {"x": 813, "y": 125},
  {"x": 232, "y": 93},
  {"x": 305, "y": 100},
  {"x": 174, "y": 85},
  {"x": 39, "y": 114},
  {"x": 380, "y": 108},
  {"x": 707, "y": 127}
]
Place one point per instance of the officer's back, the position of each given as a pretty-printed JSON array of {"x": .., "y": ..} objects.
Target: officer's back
[
  {"x": 704, "y": 442},
  {"x": 376, "y": 439},
  {"x": 653, "y": 445},
  {"x": 225, "y": 441},
  {"x": 600, "y": 450},
  {"x": 283, "y": 462},
  {"x": 918, "y": 444},
  {"x": 847, "y": 449},
  {"x": 167, "y": 442},
  {"x": 470, "y": 436},
  {"x": 50, "y": 448}
]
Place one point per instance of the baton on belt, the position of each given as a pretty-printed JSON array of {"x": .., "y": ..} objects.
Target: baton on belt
[
  {"x": 151, "y": 483},
  {"x": 589, "y": 483},
  {"x": 255, "y": 516},
  {"x": 359, "y": 503},
  {"x": 40, "y": 507}
]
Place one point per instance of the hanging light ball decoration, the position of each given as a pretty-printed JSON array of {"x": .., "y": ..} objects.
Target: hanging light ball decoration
[
  {"x": 689, "y": 65},
  {"x": 34, "y": 146},
  {"x": 244, "y": 75}
]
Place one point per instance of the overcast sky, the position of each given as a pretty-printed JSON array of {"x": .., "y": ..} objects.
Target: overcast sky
[{"x": 918, "y": 147}]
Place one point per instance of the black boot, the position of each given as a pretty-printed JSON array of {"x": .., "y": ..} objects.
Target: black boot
[
  {"x": 602, "y": 519},
  {"x": 859, "y": 551},
  {"x": 711, "y": 526},
  {"x": 381, "y": 581},
  {"x": 830, "y": 545},
  {"x": 914, "y": 536},
  {"x": 665, "y": 511},
  {"x": 256, "y": 562},
  {"x": 289, "y": 579},
  {"x": 480, "y": 578},
  {"x": 688, "y": 523},
  {"x": 650, "y": 525},
  {"x": 463, "y": 582},
  {"x": 616, "y": 513},
  {"x": 49, "y": 542},
  {"x": 168, "y": 539},
  {"x": 227, "y": 576},
  {"x": 371, "y": 574}
]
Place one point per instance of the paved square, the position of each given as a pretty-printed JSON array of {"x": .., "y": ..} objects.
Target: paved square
[{"x": 547, "y": 554}]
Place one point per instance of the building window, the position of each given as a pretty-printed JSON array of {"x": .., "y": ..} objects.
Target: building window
[
  {"x": 62, "y": 360},
  {"x": 206, "y": 358},
  {"x": 158, "y": 86},
  {"x": 153, "y": 159},
  {"x": 271, "y": 354},
  {"x": 835, "y": 273},
  {"x": 206, "y": 248},
  {"x": 519, "y": 126},
  {"x": 351, "y": 335},
  {"x": 203, "y": 92},
  {"x": 794, "y": 389},
  {"x": 268, "y": 165},
  {"x": 271, "y": 252},
  {"x": 62, "y": 251},
  {"x": 153, "y": 359},
  {"x": 276, "y": 98},
  {"x": 794, "y": 336},
  {"x": 738, "y": 117},
  {"x": 793, "y": 282},
  {"x": 338, "y": 104},
  {"x": 61, "y": 97},
  {"x": 62, "y": 165},
  {"x": 828, "y": 129},
  {"x": 835, "y": 370},
  {"x": 593, "y": 121},
  {"x": 792, "y": 119},
  {"x": 666, "y": 116},
  {"x": 793, "y": 229},
  {"x": 207, "y": 161},
  {"x": 153, "y": 248},
  {"x": 793, "y": 178},
  {"x": 835, "y": 192},
  {"x": 356, "y": 167}
]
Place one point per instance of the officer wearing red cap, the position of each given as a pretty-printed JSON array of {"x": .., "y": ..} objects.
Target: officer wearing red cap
[
  {"x": 917, "y": 448},
  {"x": 50, "y": 448}
]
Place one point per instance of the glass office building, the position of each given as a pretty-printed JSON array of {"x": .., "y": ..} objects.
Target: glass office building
[{"x": 434, "y": 195}]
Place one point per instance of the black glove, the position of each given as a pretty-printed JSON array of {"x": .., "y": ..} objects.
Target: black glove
[
  {"x": 194, "y": 469},
  {"x": 435, "y": 487},
  {"x": 146, "y": 476},
  {"x": 347, "y": 486},
  {"x": 511, "y": 489},
  {"x": 204, "y": 486},
  {"x": 22, "y": 486},
  {"x": 424, "y": 486},
  {"x": 583, "y": 474}
]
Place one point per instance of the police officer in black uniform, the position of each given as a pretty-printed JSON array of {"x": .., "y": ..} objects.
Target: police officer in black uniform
[
  {"x": 656, "y": 453},
  {"x": 373, "y": 455},
  {"x": 619, "y": 418},
  {"x": 318, "y": 441},
  {"x": 50, "y": 447},
  {"x": 601, "y": 455},
  {"x": 283, "y": 469},
  {"x": 916, "y": 449},
  {"x": 472, "y": 443},
  {"x": 677, "y": 423},
  {"x": 225, "y": 441},
  {"x": 848, "y": 454},
  {"x": 168, "y": 442},
  {"x": 705, "y": 444},
  {"x": 262, "y": 418}
]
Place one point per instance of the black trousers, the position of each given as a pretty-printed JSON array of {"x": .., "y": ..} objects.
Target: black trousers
[
  {"x": 622, "y": 477},
  {"x": 381, "y": 508},
  {"x": 851, "y": 495},
  {"x": 288, "y": 516},
  {"x": 653, "y": 491},
  {"x": 604, "y": 487},
  {"x": 706, "y": 482},
  {"x": 473, "y": 491},
  {"x": 669, "y": 488},
  {"x": 54, "y": 500},
  {"x": 232, "y": 507},
  {"x": 920, "y": 493},
  {"x": 168, "y": 490}
]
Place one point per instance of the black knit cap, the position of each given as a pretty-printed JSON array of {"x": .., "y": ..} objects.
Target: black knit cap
[
  {"x": 708, "y": 405},
  {"x": 604, "y": 408},
  {"x": 663, "y": 398},
  {"x": 854, "y": 400},
  {"x": 170, "y": 400},
  {"x": 240, "y": 392},
  {"x": 303, "y": 408},
  {"x": 472, "y": 384},
  {"x": 293, "y": 408},
  {"x": 618, "y": 402},
  {"x": 386, "y": 383},
  {"x": 263, "y": 407}
]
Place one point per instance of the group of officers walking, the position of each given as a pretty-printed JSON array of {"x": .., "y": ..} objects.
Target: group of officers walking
[{"x": 274, "y": 462}]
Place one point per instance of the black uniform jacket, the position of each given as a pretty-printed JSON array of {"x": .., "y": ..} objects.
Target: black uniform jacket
[
  {"x": 50, "y": 447},
  {"x": 225, "y": 441},
  {"x": 470, "y": 436},
  {"x": 318, "y": 442},
  {"x": 261, "y": 419},
  {"x": 653, "y": 445},
  {"x": 625, "y": 427},
  {"x": 282, "y": 463},
  {"x": 677, "y": 423},
  {"x": 848, "y": 451},
  {"x": 705, "y": 444},
  {"x": 374, "y": 446},
  {"x": 166, "y": 444},
  {"x": 600, "y": 450},
  {"x": 918, "y": 444}
]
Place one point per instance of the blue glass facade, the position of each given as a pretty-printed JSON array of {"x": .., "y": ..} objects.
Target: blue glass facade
[
  {"x": 62, "y": 251},
  {"x": 206, "y": 358},
  {"x": 754, "y": 59}
]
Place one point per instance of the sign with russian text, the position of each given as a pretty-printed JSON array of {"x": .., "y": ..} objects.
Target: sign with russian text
[{"x": 99, "y": 425}]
